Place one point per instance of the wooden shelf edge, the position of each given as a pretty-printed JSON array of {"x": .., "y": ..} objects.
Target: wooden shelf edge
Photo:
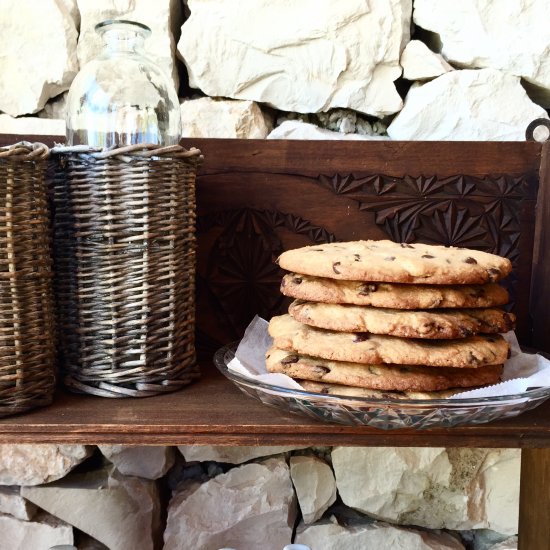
[{"x": 212, "y": 411}]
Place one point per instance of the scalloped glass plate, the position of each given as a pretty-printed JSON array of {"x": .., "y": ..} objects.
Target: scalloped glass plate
[{"x": 386, "y": 414}]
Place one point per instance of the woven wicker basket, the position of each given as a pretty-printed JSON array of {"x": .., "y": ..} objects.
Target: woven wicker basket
[
  {"x": 124, "y": 256},
  {"x": 27, "y": 324}
]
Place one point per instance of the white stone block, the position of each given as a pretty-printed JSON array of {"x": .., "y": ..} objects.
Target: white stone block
[
  {"x": 508, "y": 544},
  {"x": 35, "y": 464},
  {"x": 468, "y": 105},
  {"x": 315, "y": 486},
  {"x": 510, "y": 35},
  {"x": 251, "y": 506},
  {"x": 42, "y": 533},
  {"x": 31, "y": 126},
  {"x": 146, "y": 462},
  {"x": 434, "y": 488},
  {"x": 420, "y": 63},
  {"x": 37, "y": 53},
  {"x": 232, "y": 455},
  {"x": 210, "y": 118},
  {"x": 12, "y": 503},
  {"x": 307, "y": 57},
  {"x": 379, "y": 536},
  {"x": 121, "y": 512}
]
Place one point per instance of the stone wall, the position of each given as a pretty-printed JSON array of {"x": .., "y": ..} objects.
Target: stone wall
[
  {"x": 309, "y": 69},
  {"x": 313, "y": 69},
  {"x": 207, "y": 498}
]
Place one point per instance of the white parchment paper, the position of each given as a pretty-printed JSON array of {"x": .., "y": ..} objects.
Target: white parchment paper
[{"x": 521, "y": 371}]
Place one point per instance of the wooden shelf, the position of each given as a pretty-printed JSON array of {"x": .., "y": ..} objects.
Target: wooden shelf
[{"x": 212, "y": 411}]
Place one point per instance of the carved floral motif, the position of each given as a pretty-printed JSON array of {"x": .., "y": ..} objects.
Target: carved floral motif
[{"x": 241, "y": 277}]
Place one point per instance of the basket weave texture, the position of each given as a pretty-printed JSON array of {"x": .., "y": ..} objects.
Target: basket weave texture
[
  {"x": 124, "y": 255},
  {"x": 27, "y": 323}
]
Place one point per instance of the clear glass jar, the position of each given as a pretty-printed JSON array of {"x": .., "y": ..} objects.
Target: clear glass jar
[{"x": 121, "y": 97}]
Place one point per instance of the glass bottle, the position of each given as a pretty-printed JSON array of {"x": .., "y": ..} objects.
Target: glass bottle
[{"x": 122, "y": 97}]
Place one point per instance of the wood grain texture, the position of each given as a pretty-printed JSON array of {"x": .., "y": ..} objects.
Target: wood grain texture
[
  {"x": 256, "y": 199},
  {"x": 534, "y": 509},
  {"x": 540, "y": 287},
  {"x": 212, "y": 411}
]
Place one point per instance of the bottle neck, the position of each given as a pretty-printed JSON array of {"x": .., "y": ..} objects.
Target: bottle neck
[{"x": 123, "y": 41}]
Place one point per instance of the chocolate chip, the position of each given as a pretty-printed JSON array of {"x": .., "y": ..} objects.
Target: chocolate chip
[
  {"x": 297, "y": 280},
  {"x": 361, "y": 336},
  {"x": 317, "y": 249},
  {"x": 374, "y": 370},
  {"x": 389, "y": 258},
  {"x": 334, "y": 267},
  {"x": 428, "y": 256},
  {"x": 473, "y": 359},
  {"x": 470, "y": 260},
  {"x": 289, "y": 359},
  {"x": 366, "y": 289},
  {"x": 448, "y": 261},
  {"x": 405, "y": 245},
  {"x": 320, "y": 370},
  {"x": 357, "y": 257},
  {"x": 325, "y": 390},
  {"x": 494, "y": 273}
]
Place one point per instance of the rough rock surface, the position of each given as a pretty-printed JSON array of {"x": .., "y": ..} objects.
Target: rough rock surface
[
  {"x": 210, "y": 118},
  {"x": 146, "y": 462},
  {"x": 42, "y": 533},
  {"x": 163, "y": 17},
  {"x": 37, "y": 53},
  {"x": 35, "y": 464},
  {"x": 315, "y": 486},
  {"x": 432, "y": 487},
  {"x": 31, "y": 125},
  {"x": 511, "y": 36},
  {"x": 121, "y": 512},
  {"x": 308, "y": 57},
  {"x": 484, "y": 105},
  {"x": 296, "y": 129},
  {"x": 508, "y": 544},
  {"x": 12, "y": 503},
  {"x": 249, "y": 507},
  {"x": 232, "y": 455},
  {"x": 331, "y": 536},
  {"x": 420, "y": 63},
  {"x": 55, "y": 108}
]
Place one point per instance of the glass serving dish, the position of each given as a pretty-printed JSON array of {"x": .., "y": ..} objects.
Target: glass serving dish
[{"x": 386, "y": 414}]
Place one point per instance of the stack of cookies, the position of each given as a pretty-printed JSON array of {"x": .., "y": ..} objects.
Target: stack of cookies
[{"x": 378, "y": 318}]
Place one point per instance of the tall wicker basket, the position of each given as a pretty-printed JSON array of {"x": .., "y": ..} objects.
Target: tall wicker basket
[
  {"x": 27, "y": 325},
  {"x": 124, "y": 256}
]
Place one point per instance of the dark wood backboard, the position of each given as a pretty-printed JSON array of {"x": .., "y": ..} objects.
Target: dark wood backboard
[{"x": 257, "y": 198}]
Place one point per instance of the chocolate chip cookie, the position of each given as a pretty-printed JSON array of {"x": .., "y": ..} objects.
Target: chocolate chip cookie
[
  {"x": 380, "y": 377},
  {"x": 474, "y": 351},
  {"x": 392, "y": 295},
  {"x": 386, "y": 261},
  {"x": 351, "y": 391},
  {"x": 441, "y": 323}
]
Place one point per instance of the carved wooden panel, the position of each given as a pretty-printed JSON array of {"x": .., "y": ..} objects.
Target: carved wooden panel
[{"x": 256, "y": 199}]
